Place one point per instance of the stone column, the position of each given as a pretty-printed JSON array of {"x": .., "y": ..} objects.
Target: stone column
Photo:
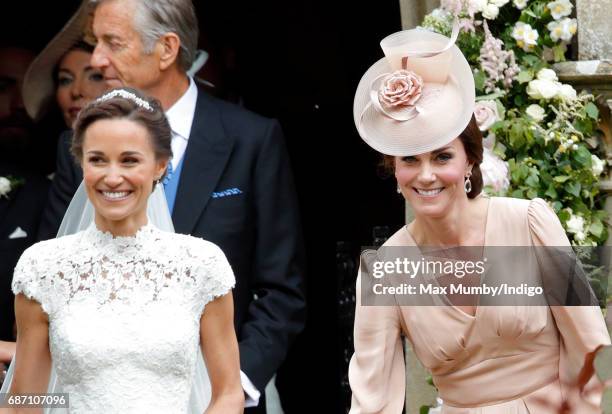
[
  {"x": 593, "y": 72},
  {"x": 413, "y": 11},
  {"x": 594, "y": 29}
]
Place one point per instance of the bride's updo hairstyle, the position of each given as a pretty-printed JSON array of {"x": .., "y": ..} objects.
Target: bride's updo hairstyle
[{"x": 131, "y": 104}]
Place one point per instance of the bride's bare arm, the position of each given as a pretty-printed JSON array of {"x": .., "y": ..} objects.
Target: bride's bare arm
[
  {"x": 33, "y": 359},
  {"x": 220, "y": 349}
]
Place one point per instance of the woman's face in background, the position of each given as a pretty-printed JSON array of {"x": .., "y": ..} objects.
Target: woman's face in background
[
  {"x": 77, "y": 84},
  {"x": 434, "y": 181}
]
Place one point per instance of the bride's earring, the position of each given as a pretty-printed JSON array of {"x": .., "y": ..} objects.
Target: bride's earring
[
  {"x": 399, "y": 191},
  {"x": 467, "y": 184}
]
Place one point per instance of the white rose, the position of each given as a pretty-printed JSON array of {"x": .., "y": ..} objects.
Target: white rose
[
  {"x": 486, "y": 114},
  {"x": 560, "y": 8},
  {"x": 566, "y": 92},
  {"x": 547, "y": 74},
  {"x": 490, "y": 12},
  {"x": 542, "y": 89},
  {"x": 597, "y": 165},
  {"x": 520, "y": 4},
  {"x": 478, "y": 5},
  {"x": 5, "y": 186},
  {"x": 575, "y": 224},
  {"x": 499, "y": 3},
  {"x": 536, "y": 112},
  {"x": 494, "y": 171},
  {"x": 580, "y": 236}
]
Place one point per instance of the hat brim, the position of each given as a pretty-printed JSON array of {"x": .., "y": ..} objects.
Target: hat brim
[
  {"x": 444, "y": 110},
  {"x": 38, "y": 85}
]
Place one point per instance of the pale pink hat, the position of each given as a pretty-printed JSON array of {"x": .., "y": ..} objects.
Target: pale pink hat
[
  {"x": 418, "y": 98},
  {"x": 38, "y": 85}
]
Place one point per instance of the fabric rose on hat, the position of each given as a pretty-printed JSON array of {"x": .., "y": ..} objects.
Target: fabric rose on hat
[
  {"x": 486, "y": 114},
  {"x": 401, "y": 88}
]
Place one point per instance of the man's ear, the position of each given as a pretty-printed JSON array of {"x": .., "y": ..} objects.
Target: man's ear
[{"x": 168, "y": 46}]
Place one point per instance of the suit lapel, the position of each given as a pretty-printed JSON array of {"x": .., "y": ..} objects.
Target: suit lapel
[{"x": 207, "y": 153}]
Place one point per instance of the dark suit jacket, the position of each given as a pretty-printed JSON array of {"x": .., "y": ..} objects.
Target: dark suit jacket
[
  {"x": 258, "y": 229},
  {"x": 22, "y": 209}
]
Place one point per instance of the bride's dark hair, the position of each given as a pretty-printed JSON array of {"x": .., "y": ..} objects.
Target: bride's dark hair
[{"x": 126, "y": 103}]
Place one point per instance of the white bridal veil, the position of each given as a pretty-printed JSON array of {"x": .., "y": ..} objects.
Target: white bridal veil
[{"x": 78, "y": 217}]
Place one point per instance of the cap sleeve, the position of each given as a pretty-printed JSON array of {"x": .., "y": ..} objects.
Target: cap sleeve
[
  {"x": 215, "y": 274},
  {"x": 26, "y": 277},
  {"x": 544, "y": 225}
]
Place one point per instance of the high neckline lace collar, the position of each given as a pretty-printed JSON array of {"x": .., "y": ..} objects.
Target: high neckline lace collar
[{"x": 106, "y": 238}]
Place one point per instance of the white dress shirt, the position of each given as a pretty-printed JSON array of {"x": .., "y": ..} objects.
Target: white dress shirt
[{"x": 180, "y": 117}]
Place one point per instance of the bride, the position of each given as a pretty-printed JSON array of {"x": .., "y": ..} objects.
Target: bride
[{"x": 119, "y": 311}]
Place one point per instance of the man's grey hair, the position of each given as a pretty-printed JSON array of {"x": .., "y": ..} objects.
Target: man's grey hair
[{"x": 154, "y": 18}]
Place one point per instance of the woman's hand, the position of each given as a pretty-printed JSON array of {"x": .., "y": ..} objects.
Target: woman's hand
[{"x": 220, "y": 350}]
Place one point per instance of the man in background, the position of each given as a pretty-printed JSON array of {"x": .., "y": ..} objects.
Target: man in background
[
  {"x": 22, "y": 191},
  {"x": 229, "y": 180}
]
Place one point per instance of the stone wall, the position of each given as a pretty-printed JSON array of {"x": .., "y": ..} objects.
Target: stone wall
[{"x": 594, "y": 29}]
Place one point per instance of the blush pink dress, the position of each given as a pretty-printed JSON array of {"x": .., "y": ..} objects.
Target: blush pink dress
[{"x": 502, "y": 360}]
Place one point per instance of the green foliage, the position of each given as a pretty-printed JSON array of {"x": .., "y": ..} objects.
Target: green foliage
[{"x": 553, "y": 157}]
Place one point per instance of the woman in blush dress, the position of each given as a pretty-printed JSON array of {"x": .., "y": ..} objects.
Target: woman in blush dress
[
  {"x": 415, "y": 106},
  {"x": 121, "y": 308}
]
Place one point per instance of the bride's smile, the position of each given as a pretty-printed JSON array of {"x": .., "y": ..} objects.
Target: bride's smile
[{"x": 119, "y": 168}]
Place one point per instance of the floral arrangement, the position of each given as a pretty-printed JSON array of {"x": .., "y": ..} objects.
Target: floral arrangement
[
  {"x": 8, "y": 184},
  {"x": 540, "y": 134}
]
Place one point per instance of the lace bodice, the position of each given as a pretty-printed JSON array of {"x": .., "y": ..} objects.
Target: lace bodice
[{"x": 124, "y": 314}]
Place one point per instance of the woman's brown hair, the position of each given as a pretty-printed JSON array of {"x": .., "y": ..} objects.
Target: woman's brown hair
[
  {"x": 121, "y": 107},
  {"x": 471, "y": 138}
]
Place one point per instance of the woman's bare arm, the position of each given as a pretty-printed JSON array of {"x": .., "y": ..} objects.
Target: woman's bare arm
[
  {"x": 33, "y": 360},
  {"x": 220, "y": 349}
]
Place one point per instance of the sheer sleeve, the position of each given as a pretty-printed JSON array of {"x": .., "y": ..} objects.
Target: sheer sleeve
[
  {"x": 26, "y": 277},
  {"x": 377, "y": 368},
  {"x": 215, "y": 274},
  {"x": 582, "y": 328}
]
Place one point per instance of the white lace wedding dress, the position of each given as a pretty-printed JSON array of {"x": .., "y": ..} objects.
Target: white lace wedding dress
[{"x": 124, "y": 314}]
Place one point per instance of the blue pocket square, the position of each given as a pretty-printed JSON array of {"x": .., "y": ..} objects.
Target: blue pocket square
[{"x": 226, "y": 193}]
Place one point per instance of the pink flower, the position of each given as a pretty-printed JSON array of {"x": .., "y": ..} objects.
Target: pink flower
[
  {"x": 453, "y": 6},
  {"x": 401, "y": 88},
  {"x": 494, "y": 171},
  {"x": 486, "y": 114}
]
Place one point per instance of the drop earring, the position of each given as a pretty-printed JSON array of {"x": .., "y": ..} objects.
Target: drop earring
[
  {"x": 399, "y": 191},
  {"x": 467, "y": 184}
]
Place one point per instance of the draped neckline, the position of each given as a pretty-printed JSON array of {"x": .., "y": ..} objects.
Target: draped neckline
[{"x": 458, "y": 310}]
